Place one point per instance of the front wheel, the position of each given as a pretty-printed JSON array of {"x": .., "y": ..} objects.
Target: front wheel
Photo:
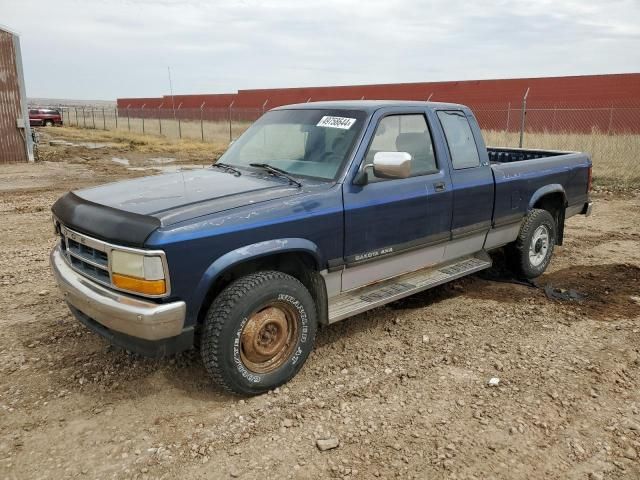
[
  {"x": 532, "y": 250},
  {"x": 258, "y": 332},
  {"x": 48, "y": 123}
]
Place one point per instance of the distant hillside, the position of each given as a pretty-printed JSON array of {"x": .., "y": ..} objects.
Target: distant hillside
[{"x": 61, "y": 102}]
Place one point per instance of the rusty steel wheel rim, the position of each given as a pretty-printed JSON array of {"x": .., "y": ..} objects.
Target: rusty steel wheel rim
[{"x": 269, "y": 337}]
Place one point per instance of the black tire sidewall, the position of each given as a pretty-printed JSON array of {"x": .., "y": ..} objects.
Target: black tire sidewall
[
  {"x": 530, "y": 270},
  {"x": 232, "y": 369}
]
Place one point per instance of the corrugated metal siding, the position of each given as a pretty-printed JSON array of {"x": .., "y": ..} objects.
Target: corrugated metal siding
[
  {"x": 564, "y": 92},
  {"x": 621, "y": 91},
  {"x": 12, "y": 143}
]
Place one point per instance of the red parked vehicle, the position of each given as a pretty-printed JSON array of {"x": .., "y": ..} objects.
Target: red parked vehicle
[{"x": 47, "y": 117}]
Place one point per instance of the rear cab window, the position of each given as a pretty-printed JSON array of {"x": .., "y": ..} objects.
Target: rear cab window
[{"x": 462, "y": 145}]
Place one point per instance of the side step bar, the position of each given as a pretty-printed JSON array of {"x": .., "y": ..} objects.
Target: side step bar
[{"x": 365, "y": 298}]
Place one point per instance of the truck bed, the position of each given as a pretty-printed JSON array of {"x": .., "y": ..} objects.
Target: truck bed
[
  {"x": 499, "y": 155},
  {"x": 521, "y": 176}
]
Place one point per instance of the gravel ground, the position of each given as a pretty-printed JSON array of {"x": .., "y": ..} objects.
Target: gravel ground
[{"x": 398, "y": 392}]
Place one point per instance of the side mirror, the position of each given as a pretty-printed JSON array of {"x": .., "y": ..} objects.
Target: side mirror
[{"x": 392, "y": 165}]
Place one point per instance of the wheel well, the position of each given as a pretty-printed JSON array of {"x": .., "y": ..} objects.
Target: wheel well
[
  {"x": 299, "y": 265},
  {"x": 555, "y": 204}
]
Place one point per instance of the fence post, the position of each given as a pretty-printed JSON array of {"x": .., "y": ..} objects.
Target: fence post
[
  {"x": 104, "y": 120},
  {"x": 84, "y": 118},
  {"x": 264, "y": 105},
  {"x": 128, "y": 120},
  {"x": 524, "y": 113},
  {"x": 610, "y": 120},
  {"x": 230, "y": 133},
  {"x": 201, "y": 124},
  {"x": 160, "y": 118},
  {"x": 93, "y": 117},
  {"x": 508, "y": 115},
  {"x": 76, "y": 109},
  {"x": 179, "y": 122},
  {"x": 142, "y": 114},
  {"x": 115, "y": 111}
]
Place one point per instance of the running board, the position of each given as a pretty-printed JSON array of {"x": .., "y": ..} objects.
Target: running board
[{"x": 365, "y": 298}]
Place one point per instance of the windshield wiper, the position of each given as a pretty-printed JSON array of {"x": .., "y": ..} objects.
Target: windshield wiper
[
  {"x": 276, "y": 171},
  {"x": 227, "y": 168}
]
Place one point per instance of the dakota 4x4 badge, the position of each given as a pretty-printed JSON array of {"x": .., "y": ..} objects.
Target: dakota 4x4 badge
[
  {"x": 375, "y": 253},
  {"x": 344, "y": 123}
]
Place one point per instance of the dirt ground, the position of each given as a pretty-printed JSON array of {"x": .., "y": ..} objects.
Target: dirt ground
[{"x": 403, "y": 389}]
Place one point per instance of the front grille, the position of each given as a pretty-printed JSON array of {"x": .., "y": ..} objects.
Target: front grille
[
  {"x": 86, "y": 255},
  {"x": 89, "y": 270}
]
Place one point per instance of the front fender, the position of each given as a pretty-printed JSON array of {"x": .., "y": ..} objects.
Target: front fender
[
  {"x": 251, "y": 252},
  {"x": 546, "y": 190}
]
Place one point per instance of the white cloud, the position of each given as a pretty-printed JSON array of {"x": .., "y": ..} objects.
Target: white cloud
[{"x": 90, "y": 49}]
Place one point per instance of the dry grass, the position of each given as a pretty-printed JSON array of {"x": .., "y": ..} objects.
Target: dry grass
[
  {"x": 138, "y": 142},
  {"x": 615, "y": 157},
  {"x": 209, "y": 131}
]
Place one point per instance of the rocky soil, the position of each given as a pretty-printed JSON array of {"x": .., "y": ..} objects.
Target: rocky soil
[{"x": 478, "y": 379}]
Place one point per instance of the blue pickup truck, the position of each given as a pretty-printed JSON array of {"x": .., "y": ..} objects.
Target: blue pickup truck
[{"x": 318, "y": 212}]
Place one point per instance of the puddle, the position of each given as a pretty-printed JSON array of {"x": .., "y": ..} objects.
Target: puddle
[
  {"x": 121, "y": 161},
  {"x": 166, "y": 168},
  {"x": 162, "y": 160},
  {"x": 89, "y": 145},
  {"x": 61, "y": 143},
  {"x": 96, "y": 145}
]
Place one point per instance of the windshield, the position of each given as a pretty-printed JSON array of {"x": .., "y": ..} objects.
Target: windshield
[{"x": 312, "y": 143}]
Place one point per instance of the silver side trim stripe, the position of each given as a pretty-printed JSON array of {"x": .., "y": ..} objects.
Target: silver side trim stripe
[{"x": 362, "y": 299}]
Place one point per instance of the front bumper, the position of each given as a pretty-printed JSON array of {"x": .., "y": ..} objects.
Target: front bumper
[{"x": 117, "y": 312}]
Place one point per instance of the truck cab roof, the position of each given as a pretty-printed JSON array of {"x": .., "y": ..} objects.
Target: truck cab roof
[{"x": 369, "y": 106}]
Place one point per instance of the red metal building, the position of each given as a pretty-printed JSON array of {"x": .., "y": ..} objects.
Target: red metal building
[{"x": 598, "y": 93}]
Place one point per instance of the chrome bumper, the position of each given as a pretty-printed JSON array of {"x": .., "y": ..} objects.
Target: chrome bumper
[{"x": 117, "y": 311}]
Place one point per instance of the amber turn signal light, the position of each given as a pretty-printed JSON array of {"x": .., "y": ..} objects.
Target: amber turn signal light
[{"x": 139, "y": 285}]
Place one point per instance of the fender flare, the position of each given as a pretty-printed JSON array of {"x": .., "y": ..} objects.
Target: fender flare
[
  {"x": 546, "y": 190},
  {"x": 247, "y": 253}
]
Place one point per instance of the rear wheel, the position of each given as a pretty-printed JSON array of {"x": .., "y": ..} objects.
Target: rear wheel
[
  {"x": 48, "y": 123},
  {"x": 531, "y": 252},
  {"x": 258, "y": 332}
]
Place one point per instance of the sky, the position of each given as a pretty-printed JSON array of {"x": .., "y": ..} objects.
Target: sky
[{"x": 102, "y": 50}]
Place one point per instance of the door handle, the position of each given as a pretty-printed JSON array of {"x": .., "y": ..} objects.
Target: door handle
[{"x": 439, "y": 187}]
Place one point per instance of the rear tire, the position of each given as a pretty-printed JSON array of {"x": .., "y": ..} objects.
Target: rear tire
[
  {"x": 258, "y": 332},
  {"x": 531, "y": 253},
  {"x": 48, "y": 123}
]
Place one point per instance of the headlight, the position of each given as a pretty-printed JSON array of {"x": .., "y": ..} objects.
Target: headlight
[{"x": 138, "y": 273}]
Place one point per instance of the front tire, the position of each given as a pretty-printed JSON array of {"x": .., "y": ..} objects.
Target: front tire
[
  {"x": 532, "y": 250},
  {"x": 48, "y": 123},
  {"x": 258, "y": 332}
]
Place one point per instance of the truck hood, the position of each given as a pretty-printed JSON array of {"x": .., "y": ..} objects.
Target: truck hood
[
  {"x": 128, "y": 211},
  {"x": 174, "y": 197}
]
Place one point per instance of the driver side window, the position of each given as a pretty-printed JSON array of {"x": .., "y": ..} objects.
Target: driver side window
[{"x": 404, "y": 133}]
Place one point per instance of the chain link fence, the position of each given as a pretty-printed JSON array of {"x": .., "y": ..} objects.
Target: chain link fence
[
  {"x": 610, "y": 134},
  {"x": 207, "y": 125}
]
